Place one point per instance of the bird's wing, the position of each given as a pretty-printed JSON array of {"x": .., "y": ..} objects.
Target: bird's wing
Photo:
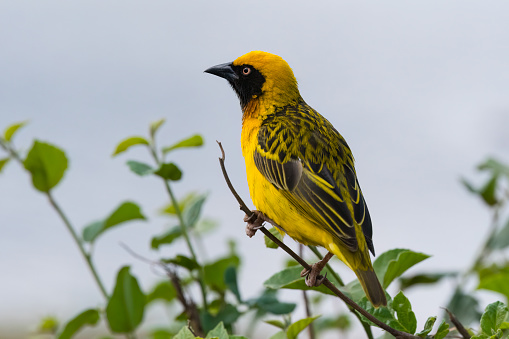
[{"x": 320, "y": 181}]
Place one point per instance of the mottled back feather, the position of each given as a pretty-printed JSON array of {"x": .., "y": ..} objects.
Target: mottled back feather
[{"x": 302, "y": 155}]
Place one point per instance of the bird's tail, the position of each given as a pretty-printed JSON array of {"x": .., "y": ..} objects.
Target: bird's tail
[{"x": 371, "y": 287}]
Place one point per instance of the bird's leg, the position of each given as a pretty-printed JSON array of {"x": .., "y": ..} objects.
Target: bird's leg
[
  {"x": 313, "y": 277},
  {"x": 255, "y": 222}
]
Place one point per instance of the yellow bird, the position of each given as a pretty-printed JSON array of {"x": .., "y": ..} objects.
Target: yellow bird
[{"x": 300, "y": 170}]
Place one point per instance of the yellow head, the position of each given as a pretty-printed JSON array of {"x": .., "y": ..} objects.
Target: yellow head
[{"x": 260, "y": 76}]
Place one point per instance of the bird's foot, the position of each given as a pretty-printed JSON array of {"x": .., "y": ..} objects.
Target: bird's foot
[
  {"x": 313, "y": 276},
  {"x": 254, "y": 222}
]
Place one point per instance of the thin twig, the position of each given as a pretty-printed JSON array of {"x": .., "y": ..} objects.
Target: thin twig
[
  {"x": 187, "y": 302},
  {"x": 183, "y": 227},
  {"x": 79, "y": 243},
  {"x": 326, "y": 282},
  {"x": 311, "y": 327},
  {"x": 459, "y": 326}
]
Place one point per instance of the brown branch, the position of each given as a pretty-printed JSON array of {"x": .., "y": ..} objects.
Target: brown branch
[
  {"x": 326, "y": 282},
  {"x": 189, "y": 306},
  {"x": 459, "y": 326}
]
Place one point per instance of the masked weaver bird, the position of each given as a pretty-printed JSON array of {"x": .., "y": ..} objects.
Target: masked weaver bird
[{"x": 300, "y": 170}]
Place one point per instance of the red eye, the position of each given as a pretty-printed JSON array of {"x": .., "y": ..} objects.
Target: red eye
[{"x": 246, "y": 71}]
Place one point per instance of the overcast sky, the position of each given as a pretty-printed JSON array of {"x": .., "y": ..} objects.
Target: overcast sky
[{"x": 419, "y": 89}]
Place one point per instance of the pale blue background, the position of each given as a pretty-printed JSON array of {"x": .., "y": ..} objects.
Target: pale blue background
[{"x": 418, "y": 88}]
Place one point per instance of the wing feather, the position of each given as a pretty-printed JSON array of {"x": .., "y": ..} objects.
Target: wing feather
[{"x": 315, "y": 171}]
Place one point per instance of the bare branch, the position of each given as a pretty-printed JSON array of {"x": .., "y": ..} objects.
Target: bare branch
[{"x": 459, "y": 326}]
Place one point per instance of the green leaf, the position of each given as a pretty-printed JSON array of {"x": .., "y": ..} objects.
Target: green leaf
[
  {"x": 495, "y": 278},
  {"x": 218, "y": 332},
  {"x": 192, "y": 212},
  {"x": 140, "y": 168},
  {"x": 294, "y": 329},
  {"x": 127, "y": 211},
  {"x": 494, "y": 315},
  {"x": 384, "y": 313},
  {"x": 184, "y": 333},
  {"x": 464, "y": 307},
  {"x": 154, "y": 126},
  {"x": 169, "y": 171},
  {"x": 48, "y": 324},
  {"x": 227, "y": 314},
  {"x": 12, "y": 129},
  {"x": 428, "y": 326},
  {"x": 469, "y": 186},
  {"x": 230, "y": 279},
  {"x": 183, "y": 203},
  {"x": 488, "y": 191},
  {"x": 160, "y": 334},
  {"x": 193, "y": 141},
  {"x": 403, "y": 309},
  {"x": 442, "y": 330},
  {"x": 166, "y": 238},
  {"x": 162, "y": 291},
  {"x": 237, "y": 337},
  {"x": 268, "y": 303},
  {"x": 213, "y": 273},
  {"x": 501, "y": 239},
  {"x": 127, "y": 303},
  {"x": 182, "y": 261},
  {"x": 290, "y": 278},
  {"x": 340, "y": 322},
  {"x": 275, "y": 322},
  {"x": 495, "y": 167},
  {"x": 269, "y": 243},
  {"x": 393, "y": 263},
  {"x": 3, "y": 162},
  {"x": 423, "y": 279},
  {"x": 353, "y": 290},
  {"x": 482, "y": 336},
  {"x": 125, "y": 144},
  {"x": 47, "y": 164},
  {"x": 89, "y": 317},
  {"x": 279, "y": 335}
]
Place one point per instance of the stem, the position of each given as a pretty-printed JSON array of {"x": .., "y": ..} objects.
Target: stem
[
  {"x": 78, "y": 242},
  {"x": 8, "y": 148},
  {"x": 311, "y": 328},
  {"x": 183, "y": 226}
]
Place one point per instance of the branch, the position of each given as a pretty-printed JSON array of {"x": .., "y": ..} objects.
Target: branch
[
  {"x": 183, "y": 226},
  {"x": 326, "y": 282},
  {"x": 189, "y": 306},
  {"x": 459, "y": 326}
]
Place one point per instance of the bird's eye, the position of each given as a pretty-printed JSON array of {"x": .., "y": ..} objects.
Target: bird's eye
[{"x": 246, "y": 71}]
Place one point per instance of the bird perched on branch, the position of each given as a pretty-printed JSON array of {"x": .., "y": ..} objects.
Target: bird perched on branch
[{"x": 300, "y": 170}]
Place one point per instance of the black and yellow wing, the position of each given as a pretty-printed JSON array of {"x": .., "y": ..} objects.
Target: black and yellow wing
[{"x": 313, "y": 167}]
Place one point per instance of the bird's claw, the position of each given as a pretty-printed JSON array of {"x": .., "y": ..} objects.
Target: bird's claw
[
  {"x": 254, "y": 222},
  {"x": 313, "y": 276}
]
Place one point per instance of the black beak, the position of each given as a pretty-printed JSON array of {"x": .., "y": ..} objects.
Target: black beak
[{"x": 224, "y": 71}]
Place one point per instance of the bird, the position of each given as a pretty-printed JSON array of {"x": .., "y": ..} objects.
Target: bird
[{"x": 300, "y": 170}]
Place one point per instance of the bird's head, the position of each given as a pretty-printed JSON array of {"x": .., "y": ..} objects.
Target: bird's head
[{"x": 260, "y": 76}]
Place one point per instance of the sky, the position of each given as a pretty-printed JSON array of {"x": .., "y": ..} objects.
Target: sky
[{"x": 418, "y": 89}]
